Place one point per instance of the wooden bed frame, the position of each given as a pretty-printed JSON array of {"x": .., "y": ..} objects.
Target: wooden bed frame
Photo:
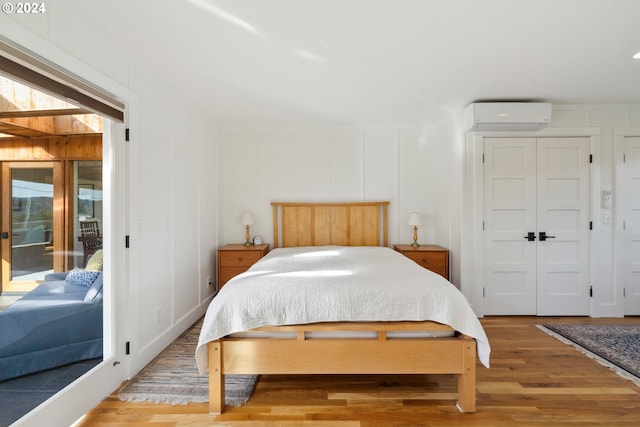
[{"x": 346, "y": 224}]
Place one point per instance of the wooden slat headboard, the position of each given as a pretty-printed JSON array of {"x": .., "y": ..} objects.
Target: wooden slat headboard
[{"x": 319, "y": 224}]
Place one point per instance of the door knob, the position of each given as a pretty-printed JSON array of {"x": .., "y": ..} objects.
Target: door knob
[
  {"x": 544, "y": 236},
  {"x": 531, "y": 236},
  {"x": 5, "y": 235}
]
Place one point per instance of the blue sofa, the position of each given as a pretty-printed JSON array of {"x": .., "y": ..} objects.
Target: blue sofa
[{"x": 55, "y": 324}]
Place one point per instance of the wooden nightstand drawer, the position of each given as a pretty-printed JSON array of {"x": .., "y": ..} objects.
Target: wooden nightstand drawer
[
  {"x": 236, "y": 259},
  {"x": 429, "y": 260},
  {"x": 431, "y": 257},
  {"x": 239, "y": 258}
]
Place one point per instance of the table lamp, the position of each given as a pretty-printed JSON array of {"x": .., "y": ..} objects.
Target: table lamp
[{"x": 247, "y": 220}]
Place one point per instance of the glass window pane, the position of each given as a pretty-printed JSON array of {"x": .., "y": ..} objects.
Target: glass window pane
[{"x": 31, "y": 223}]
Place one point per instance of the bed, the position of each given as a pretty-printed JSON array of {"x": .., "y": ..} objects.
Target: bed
[{"x": 333, "y": 298}]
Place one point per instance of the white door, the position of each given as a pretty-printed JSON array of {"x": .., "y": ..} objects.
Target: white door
[
  {"x": 563, "y": 216},
  {"x": 510, "y": 214},
  {"x": 536, "y": 226},
  {"x": 630, "y": 205}
]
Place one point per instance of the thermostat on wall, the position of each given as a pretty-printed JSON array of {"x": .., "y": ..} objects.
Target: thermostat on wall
[{"x": 606, "y": 201}]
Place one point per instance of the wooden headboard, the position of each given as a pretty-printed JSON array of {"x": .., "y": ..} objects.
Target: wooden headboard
[{"x": 319, "y": 224}]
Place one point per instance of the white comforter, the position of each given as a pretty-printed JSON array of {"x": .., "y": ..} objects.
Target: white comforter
[{"x": 333, "y": 283}]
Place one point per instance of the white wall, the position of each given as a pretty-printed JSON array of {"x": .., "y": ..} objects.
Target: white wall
[
  {"x": 167, "y": 201},
  {"x": 173, "y": 215},
  {"x": 415, "y": 169}
]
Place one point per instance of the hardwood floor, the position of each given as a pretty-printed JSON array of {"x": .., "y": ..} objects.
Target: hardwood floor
[{"x": 534, "y": 380}]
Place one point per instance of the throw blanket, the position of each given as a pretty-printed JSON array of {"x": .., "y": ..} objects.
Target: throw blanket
[{"x": 302, "y": 285}]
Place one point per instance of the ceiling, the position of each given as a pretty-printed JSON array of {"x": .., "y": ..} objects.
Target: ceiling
[
  {"x": 376, "y": 62},
  {"x": 29, "y": 113}
]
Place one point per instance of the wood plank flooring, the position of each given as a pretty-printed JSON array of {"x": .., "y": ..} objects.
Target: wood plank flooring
[{"x": 534, "y": 380}]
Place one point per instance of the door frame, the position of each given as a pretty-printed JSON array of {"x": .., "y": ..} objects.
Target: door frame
[
  {"x": 59, "y": 241},
  {"x": 472, "y": 278}
]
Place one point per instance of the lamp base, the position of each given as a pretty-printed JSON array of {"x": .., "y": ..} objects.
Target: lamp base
[
  {"x": 247, "y": 237},
  {"x": 415, "y": 237}
]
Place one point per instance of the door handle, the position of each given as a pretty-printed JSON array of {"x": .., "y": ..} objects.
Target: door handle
[
  {"x": 5, "y": 235},
  {"x": 531, "y": 236},
  {"x": 544, "y": 236}
]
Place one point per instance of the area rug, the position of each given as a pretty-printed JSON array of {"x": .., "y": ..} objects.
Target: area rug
[
  {"x": 614, "y": 346},
  {"x": 173, "y": 378}
]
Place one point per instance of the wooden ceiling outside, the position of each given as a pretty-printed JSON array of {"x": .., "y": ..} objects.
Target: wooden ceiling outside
[{"x": 28, "y": 113}]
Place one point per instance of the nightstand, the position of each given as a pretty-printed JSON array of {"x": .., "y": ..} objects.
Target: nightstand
[
  {"x": 431, "y": 257},
  {"x": 237, "y": 258}
]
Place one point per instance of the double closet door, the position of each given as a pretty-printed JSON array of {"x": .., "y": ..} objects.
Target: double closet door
[{"x": 536, "y": 226}]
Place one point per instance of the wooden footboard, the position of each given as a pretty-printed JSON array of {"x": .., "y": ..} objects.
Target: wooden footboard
[{"x": 451, "y": 355}]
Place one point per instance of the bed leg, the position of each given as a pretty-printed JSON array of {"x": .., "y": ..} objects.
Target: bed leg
[
  {"x": 467, "y": 380},
  {"x": 216, "y": 379}
]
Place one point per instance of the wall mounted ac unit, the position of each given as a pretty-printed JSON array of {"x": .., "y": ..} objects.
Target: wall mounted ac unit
[{"x": 506, "y": 116}]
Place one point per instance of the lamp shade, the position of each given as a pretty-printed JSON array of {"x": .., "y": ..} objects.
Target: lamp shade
[
  {"x": 414, "y": 219},
  {"x": 247, "y": 219}
]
